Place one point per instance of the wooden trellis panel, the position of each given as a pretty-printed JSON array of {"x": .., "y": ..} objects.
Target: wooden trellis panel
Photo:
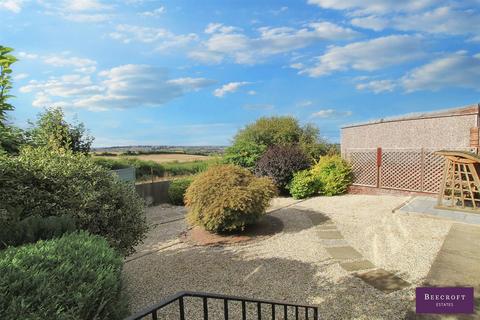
[
  {"x": 364, "y": 164},
  {"x": 433, "y": 171},
  {"x": 461, "y": 184},
  {"x": 401, "y": 170}
]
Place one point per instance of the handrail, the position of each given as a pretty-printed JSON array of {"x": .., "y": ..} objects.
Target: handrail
[{"x": 153, "y": 310}]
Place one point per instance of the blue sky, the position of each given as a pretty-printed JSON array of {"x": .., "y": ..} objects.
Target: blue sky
[{"x": 194, "y": 72}]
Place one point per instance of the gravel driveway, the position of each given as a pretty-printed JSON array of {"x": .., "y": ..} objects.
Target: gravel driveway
[{"x": 293, "y": 265}]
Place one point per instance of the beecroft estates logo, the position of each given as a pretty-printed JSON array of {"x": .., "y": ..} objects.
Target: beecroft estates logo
[{"x": 444, "y": 300}]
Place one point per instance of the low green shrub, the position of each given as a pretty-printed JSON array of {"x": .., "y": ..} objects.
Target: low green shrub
[
  {"x": 227, "y": 198},
  {"x": 303, "y": 185},
  {"x": 177, "y": 189},
  {"x": 145, "y": 169},
  {"x": 186, "y": 168},
  {"x": 280, "y": 163},
  {"x": 111, "y": 163},
  {"x": 244, "y": 154},
  {"x": 334, "y": 174},
  {"x": 75, "y": 277},
  {"x": 47, "y": 183},
  {"x": 15, "y": 232}
]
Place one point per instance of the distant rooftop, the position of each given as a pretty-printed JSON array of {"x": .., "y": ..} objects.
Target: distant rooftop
[{"x": 465, "y": 110}]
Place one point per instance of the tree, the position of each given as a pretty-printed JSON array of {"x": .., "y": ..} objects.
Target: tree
[
  {"x": 6, "y": 60},
  {"x": 51, "y": 129},
  {"x": 251, "y": 142},
  {"x": 10, "y": 136}
]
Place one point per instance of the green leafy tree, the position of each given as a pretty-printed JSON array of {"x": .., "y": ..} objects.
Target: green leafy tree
[
  {"x": 6, "y": 60},
  {"x": 51, "y": 129},
  {"x": 10, "y": 136},
  {"x": 251, "y": 142}
]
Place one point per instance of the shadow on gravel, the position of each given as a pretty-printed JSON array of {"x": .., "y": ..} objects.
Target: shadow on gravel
[{"x": 216, "y": 270}]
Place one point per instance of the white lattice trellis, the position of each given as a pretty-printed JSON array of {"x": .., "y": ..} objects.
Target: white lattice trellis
[
  {"x": 401, "y": 170},
  {"x": 433, "y": 172},
  {"x": 364, "y": 167}
]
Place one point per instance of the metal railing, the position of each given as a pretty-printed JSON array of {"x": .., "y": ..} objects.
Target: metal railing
[{"x": 276, "y": 308}]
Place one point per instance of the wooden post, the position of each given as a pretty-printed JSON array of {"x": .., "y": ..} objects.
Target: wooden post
[
  {"x": 422, "y": 169},
  {"x": 379, "y": 164}
]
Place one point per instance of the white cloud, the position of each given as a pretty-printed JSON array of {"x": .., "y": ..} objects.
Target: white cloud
[
  {"x": 377, "y": 86},
  {"x": 297, "y": 65},
  {"x": 474, "y": 39},
  {"x": 206, "y": 56},
  {"x": 85, "y": 5},
  {"x": 374, "y": 6},
  {"x": 229, "y": 88},
  {"x": 64, "y": 59},
  {"x": 21, "y": 76},
  {"x": 14, "y": 6},
  {"x": 126, "y": 86},
  {"x": 57, "y": 90},
  {"x": 443, "y": 20},
  {"x": 154, "y": 13},
  {"x": 219, "y": 27},
  {"x": 26, "y": 55},
  {"x": 330, "y": 113},
  {"x": 87, "y": 17},
  {"x": 370, "y": 22},
  {"x": 81, "y": 64},
  {"x": 79, "y": 10},
  {"x": 454, "y": 70},
  {"x": 368, "y": 55},
  {"x": 162, "y": 38},
  {"x": 304, "y": 103},
  {"x": 225, "y": 41},
  {"x": 192, "y": 83},
  {"x": 251, "y": 92}
]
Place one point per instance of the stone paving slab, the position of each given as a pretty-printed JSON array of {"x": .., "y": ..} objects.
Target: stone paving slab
[
  {"x": 357, "y": 265},
  {"x": 458, "y": 261},
  {"x": 343, "y": 253},
  {"x": 383, "y": 280},
  {"x": 329, "y": 234},
  {"x": 333, "y": 242},
  {"x": 327, "y": 227},
  {"x": 426, "y": 206}
]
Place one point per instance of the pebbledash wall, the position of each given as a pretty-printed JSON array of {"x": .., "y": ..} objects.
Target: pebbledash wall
[{"x": 398, "y": 153}]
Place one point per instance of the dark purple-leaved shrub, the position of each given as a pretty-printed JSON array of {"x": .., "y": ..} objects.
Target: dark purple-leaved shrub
[{"x": 280, "y": 163}]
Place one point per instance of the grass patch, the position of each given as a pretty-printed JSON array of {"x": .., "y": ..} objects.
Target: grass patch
[{"x": 145, "y": 169}]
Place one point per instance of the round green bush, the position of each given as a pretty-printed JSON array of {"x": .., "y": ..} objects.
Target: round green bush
[
  {"x": 303, "y": 185},
  {"x": 334, "y": 174},
  {"x": 227, "y": 198},
  {"x": 15, "y": 232},
  {"x": 280, "y": 163},
  {"x": 75, "y": 277},
  {"x": 177, "y": 189},
  {"x": 47, "y": 183}
]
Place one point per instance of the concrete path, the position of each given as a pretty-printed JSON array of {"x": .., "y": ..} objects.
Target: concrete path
[
  {"x": 351, "y": 260},
  {"x": 425, "y": 206},
  {"x": 458, "y": 264}
]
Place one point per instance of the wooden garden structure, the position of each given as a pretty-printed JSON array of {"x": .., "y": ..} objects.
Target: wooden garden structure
[{"x": 460, "y": 188}]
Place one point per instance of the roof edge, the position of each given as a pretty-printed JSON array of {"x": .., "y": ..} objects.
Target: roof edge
[{"x": 458, "y": 111}]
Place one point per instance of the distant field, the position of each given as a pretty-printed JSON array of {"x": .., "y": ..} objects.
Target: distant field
[{"x": 162, "y": 158}]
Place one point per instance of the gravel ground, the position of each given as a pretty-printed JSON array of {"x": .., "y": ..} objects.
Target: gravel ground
[
  {"x": 394, "y": 241},
  {"x": 292, "y": 265}
]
